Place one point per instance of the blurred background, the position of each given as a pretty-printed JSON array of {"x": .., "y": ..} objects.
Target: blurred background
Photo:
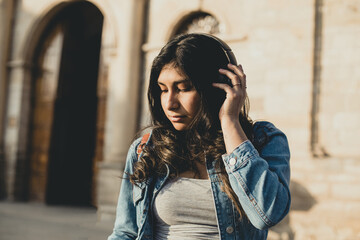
[{"x": 73, "y": 80}]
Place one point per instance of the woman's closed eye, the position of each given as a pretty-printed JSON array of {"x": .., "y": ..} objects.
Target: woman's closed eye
[
  {"x": 185, "y": 87},
  {"x": 178, "y": 89}
]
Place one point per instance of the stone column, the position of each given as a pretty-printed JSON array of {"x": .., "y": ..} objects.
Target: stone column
[
  {"x": 7, "y": 9},
  {"x": 16, "y": 127},
  {"x": 122, "y": 103}
]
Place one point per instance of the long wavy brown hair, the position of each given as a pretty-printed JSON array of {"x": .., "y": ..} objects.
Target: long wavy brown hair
[{"x": 199, "y": 58}]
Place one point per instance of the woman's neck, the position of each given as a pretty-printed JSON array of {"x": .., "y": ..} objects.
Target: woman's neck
[{"x": 200, "y": 174}]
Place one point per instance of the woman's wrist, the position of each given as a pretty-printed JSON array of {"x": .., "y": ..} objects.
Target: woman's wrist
[
  {"x": 232, "y": 120},
  {"x": 233, "y": 133}
]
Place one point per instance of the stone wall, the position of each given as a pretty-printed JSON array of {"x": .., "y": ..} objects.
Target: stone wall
[
  {"x": 339, "y": 119},
  {"x": 331, "y": 184},
  {"x": 274, "y": 41},
  {"x": 326, "y": 198}
]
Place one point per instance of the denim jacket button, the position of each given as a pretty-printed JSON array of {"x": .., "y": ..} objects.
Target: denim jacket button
[
  {"x": 229, "y": 229},
  {"x": 232, "y": 161}
]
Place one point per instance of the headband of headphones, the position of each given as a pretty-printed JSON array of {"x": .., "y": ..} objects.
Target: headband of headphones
[{"x": 227, "y": 50}]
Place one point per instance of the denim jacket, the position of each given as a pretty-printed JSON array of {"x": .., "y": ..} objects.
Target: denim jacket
[{"x": 259, "y": 176}]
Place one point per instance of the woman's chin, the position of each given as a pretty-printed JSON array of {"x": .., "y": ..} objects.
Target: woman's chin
[{"x": 180, "y": 126}]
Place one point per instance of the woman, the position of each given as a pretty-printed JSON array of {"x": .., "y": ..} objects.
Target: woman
[{"x": 206, "y": 171}]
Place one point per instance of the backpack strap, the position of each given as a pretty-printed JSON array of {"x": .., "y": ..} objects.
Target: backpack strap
[{"x": 144, "y": 140}]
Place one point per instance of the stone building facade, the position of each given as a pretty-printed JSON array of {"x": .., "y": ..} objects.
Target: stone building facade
[{"x": 73, "y": 77}]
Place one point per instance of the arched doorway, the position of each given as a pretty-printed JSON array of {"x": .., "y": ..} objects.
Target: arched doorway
[
  {"x": 197, "y": 22},
  {"x": 65, "y": 107}
]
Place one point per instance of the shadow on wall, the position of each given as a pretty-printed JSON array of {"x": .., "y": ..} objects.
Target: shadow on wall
[{"x": 301, "y": 200}]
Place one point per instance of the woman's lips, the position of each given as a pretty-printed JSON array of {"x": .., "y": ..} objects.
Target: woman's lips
[{"x": 176, "y": 118}]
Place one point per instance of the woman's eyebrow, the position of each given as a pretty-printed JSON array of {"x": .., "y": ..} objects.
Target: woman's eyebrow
[{"x": 176, "y": 82}]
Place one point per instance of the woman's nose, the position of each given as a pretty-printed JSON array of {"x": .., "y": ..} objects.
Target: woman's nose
[{"x": 172, "y": 101}]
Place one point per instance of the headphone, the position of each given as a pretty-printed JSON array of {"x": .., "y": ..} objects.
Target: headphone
[{"x": 228, "y": 53}]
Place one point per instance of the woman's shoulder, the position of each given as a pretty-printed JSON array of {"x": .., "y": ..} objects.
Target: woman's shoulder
[
  {"x": 137, "y": 144},
  {"x": 264, "y": 127},
  {"x": 264, "y": 131}
]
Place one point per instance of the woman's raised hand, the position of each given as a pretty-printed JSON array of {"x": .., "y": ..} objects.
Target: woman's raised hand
[{"x": 235, "y": 96}]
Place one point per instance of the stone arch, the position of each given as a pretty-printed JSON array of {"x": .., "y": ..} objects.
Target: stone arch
[
  {"x": 32, "y": 49},
  {"x": 34, "y": 34}
]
